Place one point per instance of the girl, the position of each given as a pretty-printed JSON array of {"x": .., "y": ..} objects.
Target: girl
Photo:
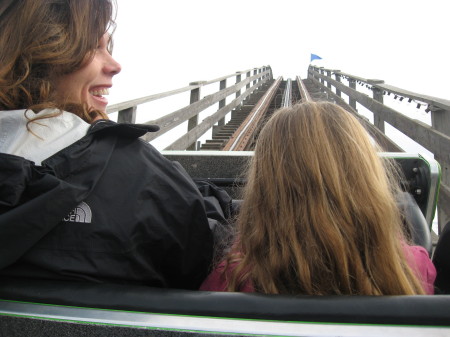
[{"x": 319, "y": 215}]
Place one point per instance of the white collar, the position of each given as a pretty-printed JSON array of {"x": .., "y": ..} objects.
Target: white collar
[{"x": 48, "y": 135}]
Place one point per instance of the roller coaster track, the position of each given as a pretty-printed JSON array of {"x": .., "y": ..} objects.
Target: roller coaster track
[
  {"x": 241, "y": 131},
  {"x": 243, "y": 135},
  {"x": 287, "y": 96},
  {"x": 304, "y": 93}
]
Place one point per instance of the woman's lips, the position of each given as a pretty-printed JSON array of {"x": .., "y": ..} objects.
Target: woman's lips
[
  {"x": 99, "y": 91},
  {"x": 97, "y": 95}
]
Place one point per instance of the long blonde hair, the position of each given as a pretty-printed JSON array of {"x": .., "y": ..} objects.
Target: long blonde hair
[
  {"x": 43, "y": 39},
  {"x": 319, "y": 215}
]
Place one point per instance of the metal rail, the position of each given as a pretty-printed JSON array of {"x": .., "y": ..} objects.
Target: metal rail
[
  {"x": 287, "y": 96},
  {"x": 241, "y": 137}
]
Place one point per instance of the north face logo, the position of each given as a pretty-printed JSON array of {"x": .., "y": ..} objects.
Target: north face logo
[{"x": 82, "y": 213}]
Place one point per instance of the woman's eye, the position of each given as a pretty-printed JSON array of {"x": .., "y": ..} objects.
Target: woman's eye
[{"x": 103, "y": 42}]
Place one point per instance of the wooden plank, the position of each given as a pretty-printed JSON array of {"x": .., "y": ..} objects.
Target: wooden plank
[
  {"x": 146, "y": 99},
  {"x": 234, "y": 74},
  {"x": 304, "y": 94},
  {"x": 385, "y": 142},
  {"x": 435, "y": 101},
  {"x": 189, "y": 138},
  {"x": 193, "y": 121},
  {"x": 150, "y": 98},
  {"x": 222, "y": 86},
  {"x": 127, "y": 115},
  {"x": 357, "y": 78},
  {"x": 170, "y": 121}
]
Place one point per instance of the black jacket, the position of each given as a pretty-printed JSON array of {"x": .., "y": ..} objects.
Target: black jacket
[{"x": 128, "y": 214}]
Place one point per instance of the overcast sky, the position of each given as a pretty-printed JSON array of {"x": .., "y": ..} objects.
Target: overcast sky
[{"x": 163, "y": 45}]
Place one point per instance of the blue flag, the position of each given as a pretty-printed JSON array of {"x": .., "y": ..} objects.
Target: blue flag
[{"x": 315, "y": 57}]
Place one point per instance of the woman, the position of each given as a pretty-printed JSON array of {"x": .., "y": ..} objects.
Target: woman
[
  {"x": 52, "y": 61},
  {"x": 319, "y": 215},
  {"x": 82, "y": 197}
]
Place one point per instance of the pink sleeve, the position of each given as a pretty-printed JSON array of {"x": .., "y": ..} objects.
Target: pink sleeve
[
  {"x": 217, "y": 281},
  {"x": 420, "y": 262}
]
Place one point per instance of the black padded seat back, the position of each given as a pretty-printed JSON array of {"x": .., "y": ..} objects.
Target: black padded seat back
[
  {"x": 441, "y": 260},
  {"x": 415, "y": 221},
  {"x": 236, "y": 205},
  {"x": 399, "y": 310}
]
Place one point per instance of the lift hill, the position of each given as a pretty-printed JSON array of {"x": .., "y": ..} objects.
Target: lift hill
[
  {"x": 246, "y": 98},
  {"x": 59, "y": 308}
]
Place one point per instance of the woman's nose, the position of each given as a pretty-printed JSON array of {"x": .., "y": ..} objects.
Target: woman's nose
[{"x": 112, "y": 66}]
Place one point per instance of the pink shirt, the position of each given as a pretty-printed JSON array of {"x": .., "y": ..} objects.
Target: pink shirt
[
  {"x": 216, "y": 281},
  {"x": 416, "y": 256},
  {"x": 420, "y": 262}
]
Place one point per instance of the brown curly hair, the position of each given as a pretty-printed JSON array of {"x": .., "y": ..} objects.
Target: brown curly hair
[
  {"x": 319, "y": 215},
  {"x": 44, "y": 39}
]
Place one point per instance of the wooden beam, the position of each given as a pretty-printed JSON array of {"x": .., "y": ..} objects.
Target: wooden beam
[
  {"x": 170, "y": 121},
  {"x": 434, "y": 141},
  {"x": 189, "y": 138},
  {"x": 383, "y": 141},
  {"x": 135, "y": 102}
]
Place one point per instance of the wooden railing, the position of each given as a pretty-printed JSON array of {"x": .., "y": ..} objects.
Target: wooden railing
[
  {"x": 435, "y": 137},
  {"x": 242, "y": 88}
]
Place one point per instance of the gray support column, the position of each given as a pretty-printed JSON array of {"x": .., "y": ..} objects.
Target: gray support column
[
  {"x": 193, "y": 121},
  {"x": 310, "y": 72},
  {"x": 223, "y": 85},
  {"x": 249, "y": 73},
  {"x": 127, "y": 115},
  {"x": 352, "y": 85},
  {"x": 254, "y": 73},
  {"x": 440, "y": 120},
  {"x": 378, "y": 96},
  {"x": 328, "y": 82},
  {"x": 238, "y": 79},
  {"x": 322, "y": 72},
  {"x": 338, "y": 78}
]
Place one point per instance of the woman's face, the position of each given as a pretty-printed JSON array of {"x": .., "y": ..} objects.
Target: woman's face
[{"x": 91, "y": 82}]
